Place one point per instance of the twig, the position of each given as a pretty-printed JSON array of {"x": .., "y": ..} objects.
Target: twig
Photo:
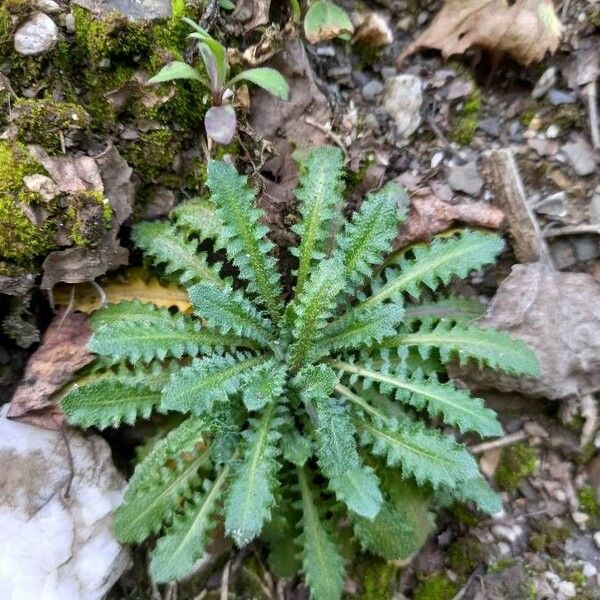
[
  {"x": 591, "y": 93},
  {"x": 225, "y": 581},
  {"x": 328, "y": 133},
  {"x": 551, "y": 232},
  {"x": 507, "y": 440}
]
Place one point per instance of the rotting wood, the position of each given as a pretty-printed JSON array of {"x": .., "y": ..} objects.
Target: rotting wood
[{"x": 502, "y": 175}]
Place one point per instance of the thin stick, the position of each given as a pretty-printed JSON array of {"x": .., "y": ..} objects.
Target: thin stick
[
  {"x": 328, "y": 133},
  {"x": 225, "y": 581},
  {"x": 507, "y": 440},
  {"x": 591, "y": 93}
]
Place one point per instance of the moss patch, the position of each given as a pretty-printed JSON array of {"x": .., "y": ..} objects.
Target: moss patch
[
  {"x": 89, "y": 215},
  {"x": 516, "y": 463},
  {"x": 44, "y": 121},
  {"x": 377, "y": 578},
  {"x": 464, "y": 122},
  {"x": 465, "y": 554},
  {"x": 436, "y": 587},
  {"x": 588, "y": 501},
  {"x": 548, "y": 538},
  {"x": 20, "y": 239},
  {"x": 152, "y": 156}
]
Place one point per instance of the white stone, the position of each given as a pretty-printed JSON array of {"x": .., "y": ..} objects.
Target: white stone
[
  {"x": 507, "y": 533},
  {"x": 402, "y": 101},
  {"x": 580, "y": 518},
  {"x": 597, "y": 539},
  {"x": 589, "y": 570},
  {"x": 552, "y": 131},
  {"x": 567, "y": 589},
  {"x": 54, "y": 547},
  {"x": 436, "y": 159},
  {"x": 42, "y": 185},
  {"x": 48, "y": 6},
  {"x": 504, "y": 549},
  {"x": 36, "y": 36}
]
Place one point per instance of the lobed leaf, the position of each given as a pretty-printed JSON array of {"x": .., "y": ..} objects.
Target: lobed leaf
[
  {"x": 247, "y": 245},
  {"x": 196, "y": 388},
  {"x": 198, "y": 216},
  {"x": 166, "y": 246}
]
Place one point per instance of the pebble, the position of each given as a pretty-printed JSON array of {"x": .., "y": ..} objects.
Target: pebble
[
  {"x": 436, "y": 159},
  {"x": 580, "y": 518},
  {"x": 553, "y": 131},
  {"x": 36, "y": 36},
  {"x": 507, "y": 533},
  {"x": 465, "y": 178},
  {"x": 567, "y": 589},
  {"x": 581, "y": 156},
  {"x": 553, "y": 205},
  {"x": 403, "y": 98},
  {"x": 372, "y": 89},
  {"x": 589, "y": 570},
  {"x": 587, "y": 247},
  {"x": 48, "y": 6},
  {"x": 491, "y": 126},
  {"x": 597, "y": 539},
  {"x": 558, "y": 97},
  {"x": 544, "y": 83}
]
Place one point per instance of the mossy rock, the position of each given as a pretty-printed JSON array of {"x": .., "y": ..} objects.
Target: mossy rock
[
  {"x": 376, "y": 578},
  {"x": 21, "y": 240},
  {"x": 516, "y": 463},
  {"x": 436, "y": 587},
  {"x": 464, "y": 121},
  {"x": 45, "y": 122},
  {"x": 465, "y": 554}
]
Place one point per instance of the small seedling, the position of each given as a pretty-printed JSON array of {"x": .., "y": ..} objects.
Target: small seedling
[{"x": 220, "y": 120}]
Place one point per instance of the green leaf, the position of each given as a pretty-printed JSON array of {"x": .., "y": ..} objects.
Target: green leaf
[
  {"x": 453, "y": 308},
  {"x": 352, "y": 483},
  {"x": 175, "y": 70},
  {"x": 458, "y": 408},
  {"x": 247, "y": 245},
  {"x": 434, "y": 264},
  {"x": 269, "y": 79},
  {"x": 489, "y": 347},
  {"x": 312, "y": 308},
  {"x": 196, "y": 388},
  {"x": 108, "y": 403},
  {"x": 427, "y": 455},
  {"x": 296, "y": 448},
  {"x": 478, "y": 491},
  {"x": 198, "y": 216},
  {"x": 213, "y": 53},
  {"x": 266, "y": 383},
  {"x": 315, "y": 382},
  {"x": 228, "y": 310},
  {"x": 322, "y": 562},
  {"x": 368, "y": 237},
  {"x": 250, "y": 497},
  {"x": 227, "y": 4},
  {"x": 166, "y": 246},
  {"x": 319, "y": 195},
  {"x": 145, "y": 332},
  {"x": 155, "y": 490},
  {"x": 325, "y": 21},
  {"x": 361, "y": 328},
  {"x": 402, "y": 525},
  {"x": 185, "y": 541}
]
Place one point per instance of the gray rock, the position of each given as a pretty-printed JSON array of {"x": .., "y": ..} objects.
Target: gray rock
[
  {"x": 465, "y": 178},
  {"x": 48, "y": 6},
  {"x": 553, "y": 205},
  {"x": 544, "y": 83},
  {"x": 36, "y": 36},
  {"x": 581, "y": 156},
  {"x": 402, "y": 101},
  {"x": 595, "y": 208},
  {"x": 587, "y": 247},
  {"x": 372, "y": 89},
  {"x": 136, "y": 10},
  {"x": 491, "y": 126},
  {"x": 54, "y": 545},
  {"x": 558, "y": 97}
]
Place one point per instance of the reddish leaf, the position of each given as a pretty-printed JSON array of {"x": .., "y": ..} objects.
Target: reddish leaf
[
  {"x": 220, "y": 123},
  {"x": 63, "y": 351}
]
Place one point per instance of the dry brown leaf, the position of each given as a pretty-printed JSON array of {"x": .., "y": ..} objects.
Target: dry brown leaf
[
  {"x": 252, "y": 13},
  {"x": 133, "y": 284},
  {"x": 63, "y": 351},
  {"x": 526, "y": 30},
  {"x": 558, "y": 316},
  {"x": 429, "y": 216}
]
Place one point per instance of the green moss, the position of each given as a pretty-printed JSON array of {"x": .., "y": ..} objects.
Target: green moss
[
  {"x": 464, "y": 515},
  {"x": 528, "y": 115},
  {"x": 110, "y": 37},
  {"x": 436, "y": 587},
  {"x": 20, "y": 240},
  {"x": 377, "y": 578},
  {"x": 152, "y": 156},
  {"x": 42, "y": 121},
  {"x": 594, "y": 16},
  {"x": 516, "y": 463},
  {"x": 548, "y": 538},
  {"x": 6, "y": 31},
  {"x": 464, "y": 123},
  {"x": 465, "y": 554},
  {"x": 20, "y": 8},
  {"x": 588, "y": 501},
  {"x": 502, "y": 564},
  {"x": 88, "y": 216}
]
